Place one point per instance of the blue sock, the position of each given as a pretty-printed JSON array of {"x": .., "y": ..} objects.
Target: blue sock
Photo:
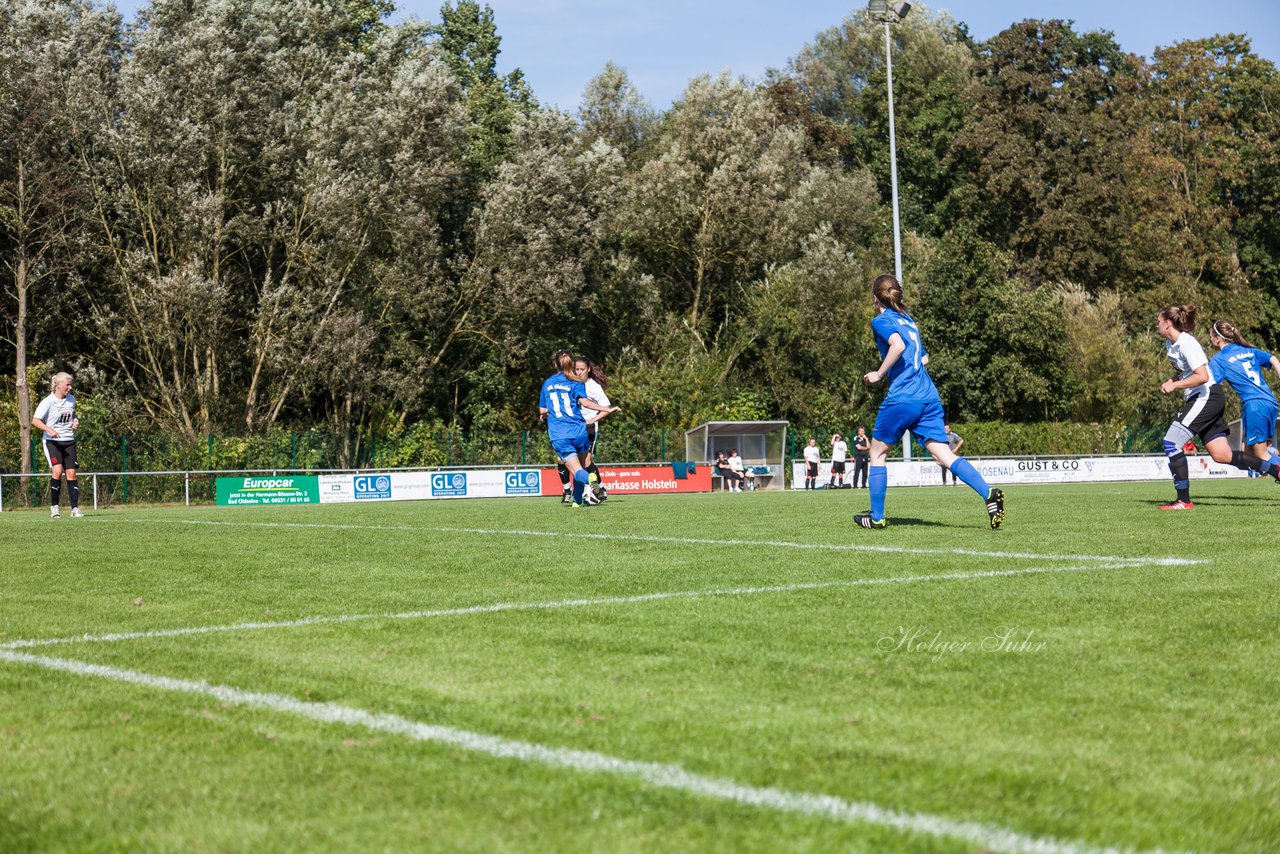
[
  {"x": 964, "y": 470},
  {"x": 878, "y": 481},
  {"x": 580, "y": 481}
]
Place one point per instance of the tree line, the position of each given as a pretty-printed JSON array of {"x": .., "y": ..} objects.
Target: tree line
[{"x": 250, "y": 215}]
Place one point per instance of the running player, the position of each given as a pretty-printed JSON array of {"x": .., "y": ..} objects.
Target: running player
[
  {"x": 561, "y": 402},
  {"x": 1241, "y": 365},
  {"x": 1203, "y": 408},
  {"x": 912, "y": 403},
  {"x": 56, "y": 418},
  {"x": 595, "y": 381}
]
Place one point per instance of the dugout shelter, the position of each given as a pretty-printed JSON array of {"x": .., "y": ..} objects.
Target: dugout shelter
[{"x": 762, "y": 445}]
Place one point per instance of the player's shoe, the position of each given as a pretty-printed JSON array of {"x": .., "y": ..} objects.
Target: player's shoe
[
  {"x": 589, "y": 497},
  {"x": 76, "y": 514},
  {"x": 598, "y": 491},
  {"x": 568, "y": 497},
  {"x": 865, "y": 520},
  {"x": 995, "y": 507},
  {"x": 1178, "y": 505},
  {"x": 54, "y": 514}
]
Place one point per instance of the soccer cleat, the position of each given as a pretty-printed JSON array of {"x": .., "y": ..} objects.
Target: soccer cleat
[
  {"x": 53, "y": 513},
  {"x": 589, "y": 498},
  {"x": 575, "y": 504},
  {"x": 1178, "y": 505},
  {"x": 568, "y": 497},
  {"x": 598, "y": 491},
  {"x": 865, "y": 520},
  {"x": 995, "y": 507},
  {"x": 76, "y": 514}
]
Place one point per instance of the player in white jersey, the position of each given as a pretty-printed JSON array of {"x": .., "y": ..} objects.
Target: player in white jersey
[
  {"x": 812, "y": 459},
  {"x": 1203, "y": 408},
  {"x": 56, "y": 418},
  {"x": 594, "y": 378},
  {"x": 839, "y": 455}
]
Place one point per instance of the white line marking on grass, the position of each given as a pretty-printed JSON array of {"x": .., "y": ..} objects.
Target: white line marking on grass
[
  {"x": 663, "y": 776},
  {"x": 642, "y": 538},
  {"x": 550, "y": 606}
]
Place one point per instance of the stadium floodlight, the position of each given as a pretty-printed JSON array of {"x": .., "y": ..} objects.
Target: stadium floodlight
[{"x": 880, "y": 10}]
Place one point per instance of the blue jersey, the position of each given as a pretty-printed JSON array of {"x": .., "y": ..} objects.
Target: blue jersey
[
  {"x": 560, "y": 396},
  {"x": 1242, "y": 367},
  {"x": 908, "y": 379}
]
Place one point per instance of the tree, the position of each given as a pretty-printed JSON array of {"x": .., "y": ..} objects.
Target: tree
[
  {"x": 50, "y": 52},
  {"x": 1048, "y": 156}
]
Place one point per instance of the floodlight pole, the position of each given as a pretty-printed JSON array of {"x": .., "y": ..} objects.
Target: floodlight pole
[{"x": 893, "y": 156}]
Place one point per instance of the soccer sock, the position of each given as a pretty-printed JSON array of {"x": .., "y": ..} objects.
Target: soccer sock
[
  {"x": 55, "y": 492},
  {"x": 579, "y": 483},
  {"x": 1249, "y": 462},
  {"x": 964, "y": 470},
  {"x": 73, "y": 488},
  {"x": 564, "y": 475},
  {"x": 1178, "y": 468},
  {"x": 591, "y": 469},
  {"x": 879, "y": 482}
]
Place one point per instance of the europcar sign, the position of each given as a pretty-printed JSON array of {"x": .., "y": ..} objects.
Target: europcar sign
[{"x": 272, "y": 490}]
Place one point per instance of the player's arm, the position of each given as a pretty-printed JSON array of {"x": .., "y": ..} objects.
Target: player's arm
[
  {"x": 43, "y": 428},
  {"x": 1275, "y": 364},
  {"x": 588, "y": 403},
  {"x": 1198, "y": 377},
  {"x": 896, "y": 348}
]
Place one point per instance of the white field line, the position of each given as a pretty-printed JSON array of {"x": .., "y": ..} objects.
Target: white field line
[
  {"x": 663, "y": 776},
  {"x": 641, "y": 538},
  {"x": 550, "y": 606}
]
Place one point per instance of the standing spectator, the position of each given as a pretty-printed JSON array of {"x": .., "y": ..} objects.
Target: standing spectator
[
  {"x": 56, "y": 418},
  {"x": 861, "y": 458},
  {"x": 839, "y": 454},
  {"x": 812, "y": 458},
  {"x": 954, "y": 441}
]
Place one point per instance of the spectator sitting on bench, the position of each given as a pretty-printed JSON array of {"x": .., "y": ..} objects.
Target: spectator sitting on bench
[
  {"x": 729, "y": 478},
  {"x": 735, "y": 463}
]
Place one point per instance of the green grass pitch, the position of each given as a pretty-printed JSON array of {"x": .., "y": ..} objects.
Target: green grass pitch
[{"x": 706, "y": 672}]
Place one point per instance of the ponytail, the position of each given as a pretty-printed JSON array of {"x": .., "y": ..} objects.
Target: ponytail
[
  {"x": 1183, "y": 317},
  {"x": 887, "y": 291}
]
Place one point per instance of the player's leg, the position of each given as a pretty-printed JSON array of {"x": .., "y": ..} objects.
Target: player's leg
[{"x": 53, "y": 453}]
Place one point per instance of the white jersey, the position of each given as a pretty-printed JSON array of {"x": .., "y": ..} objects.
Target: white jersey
[
  {"x": 812, "y": 454},
  {"x": 58, "y": 414},
  {"x": 839, "y": 451},
  {"x": 595, "y": 392},
  {"x": 1186, "y": 354}
]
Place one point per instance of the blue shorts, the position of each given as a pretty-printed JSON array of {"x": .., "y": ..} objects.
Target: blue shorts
[
  {"x": 1259, "y": 418},
  {"x": 924, "y": 418},
  {"x": 570, "y": 447}
]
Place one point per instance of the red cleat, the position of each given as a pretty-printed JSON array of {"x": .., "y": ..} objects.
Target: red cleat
[{"x": 1178, "y": 505}]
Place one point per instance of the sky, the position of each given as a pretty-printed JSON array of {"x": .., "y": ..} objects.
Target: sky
[{"x": 561, "y": 44}]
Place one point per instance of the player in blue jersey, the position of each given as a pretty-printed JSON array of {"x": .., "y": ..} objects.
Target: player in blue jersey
[
  {"x": 912, "y": 403},
  {"x": 1241, "y": 365},
  {"x": 1203, "y": 408},
  {"x": 561, "y": 402}
]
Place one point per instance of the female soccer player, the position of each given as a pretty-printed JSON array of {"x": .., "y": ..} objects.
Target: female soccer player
[
  {"x": 56, "y": 418},
  {"x": 1242, "y": 365},
  {"x": 594, "y": 379},
  {"x": 561, "y": 402},
  {"x": 1203, "y": 406},
  {"x": 912, "y": 403}
]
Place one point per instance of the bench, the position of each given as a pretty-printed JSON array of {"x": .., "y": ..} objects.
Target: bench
[{"x": 760, "y": 476}]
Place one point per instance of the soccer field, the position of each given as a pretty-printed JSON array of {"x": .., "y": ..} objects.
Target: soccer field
[{"x": 719, "y": 672}]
